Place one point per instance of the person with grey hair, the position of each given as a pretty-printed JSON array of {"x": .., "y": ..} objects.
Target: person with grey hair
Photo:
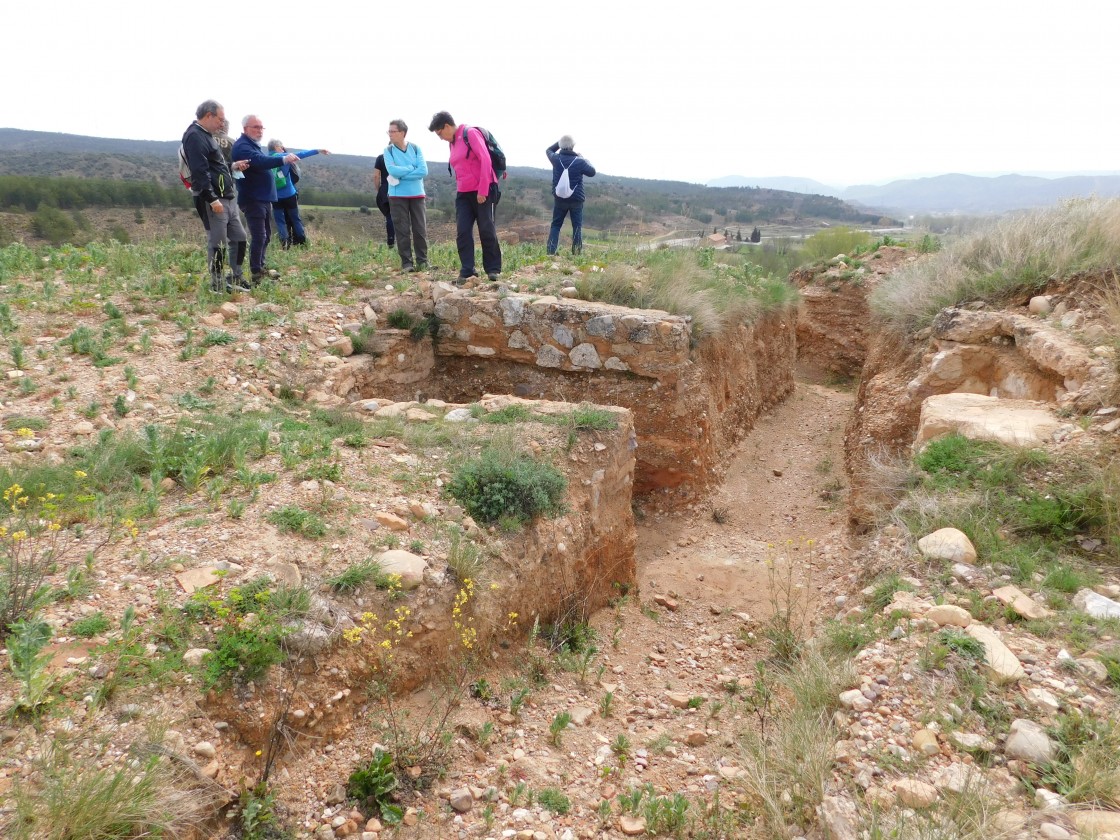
[
  {"x": 569, "y": 168},
  {"x": 212, "y": 188},
  {"x": 285, "y": 208},
  {"x": 407, "y": 169},
  {"x": 257, "y": 190}
]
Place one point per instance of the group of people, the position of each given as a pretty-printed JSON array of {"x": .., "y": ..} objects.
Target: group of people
[
  {"x": 265, "y": 182},
  {"x": 399, "y": 174},
  {"x": 222, "y": 170}
]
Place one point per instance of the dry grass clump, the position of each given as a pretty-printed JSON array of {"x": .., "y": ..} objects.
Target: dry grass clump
[
  {"x": 1016, "y": 254},
  {"x": 72, "y": 798},
  {"x": 1109, "y": 301},
  {"x": 973, "y": 814},
  {"x": 712, "y": 293},
  {"x": 788, "y": 764}
]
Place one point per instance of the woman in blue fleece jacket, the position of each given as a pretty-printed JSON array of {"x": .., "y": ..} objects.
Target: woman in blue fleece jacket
[
  {"x": 285, "y": 208},
  {"x": 407, "y": 170}
]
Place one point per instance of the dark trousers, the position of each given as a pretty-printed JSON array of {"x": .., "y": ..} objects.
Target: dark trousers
[
  {"x": 562, "y": 207},
  {"x": 289, "y": 226},
  {"x": 410, "y": 222},
  {"x": 390, "y": 234},
  {"x": 258, "y": 214},
  {"x": 468, "y": 213}
]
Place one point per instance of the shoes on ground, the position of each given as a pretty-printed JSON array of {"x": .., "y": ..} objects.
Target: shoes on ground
[
  {"x": 408, "y": 269},
  {"x": 492, "y": 276},
  {"x": 238, "y": 284}
]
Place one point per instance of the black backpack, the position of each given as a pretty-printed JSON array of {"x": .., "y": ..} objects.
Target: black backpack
[{"x": 497, "y": 156}]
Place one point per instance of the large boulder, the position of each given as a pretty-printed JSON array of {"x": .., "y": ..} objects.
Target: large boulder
[{"x": 1011, "y": 422}]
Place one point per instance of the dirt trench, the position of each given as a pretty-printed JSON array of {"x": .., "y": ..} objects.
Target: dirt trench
[{"x": 784, "y": 487}]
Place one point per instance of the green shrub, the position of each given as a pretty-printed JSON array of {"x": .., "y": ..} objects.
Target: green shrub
[
  {"x": 838, "y": 240},
  {"x": 515, "y": 413},
  {"x": 504, "y": 484},
  {"x": 554, "y": 801},
  {"x": 296, "y": 520},
  {"x": 363, "y": 341},
  {"x": 52, "y": 224},
  {"x": 400, "y": 319},
  {"x": 91, "y": 625},
  {"x": 241, "y": 649},
  {"x": 356, "y": 576},
  {"x": 373, "y": 785}
]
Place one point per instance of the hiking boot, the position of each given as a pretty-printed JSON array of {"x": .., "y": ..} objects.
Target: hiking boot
[
  {"x": 218, "y": 285},
  {"x": 492, "y": 276},
  {"x": 256, "y": 278},
  {"x": 238, "y": 284}
]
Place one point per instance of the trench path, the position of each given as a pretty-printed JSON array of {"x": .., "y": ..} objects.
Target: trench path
[{"x": 786, "y": 482}]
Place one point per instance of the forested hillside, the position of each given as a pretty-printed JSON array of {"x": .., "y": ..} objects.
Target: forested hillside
[{"x": 72, "y": 172}]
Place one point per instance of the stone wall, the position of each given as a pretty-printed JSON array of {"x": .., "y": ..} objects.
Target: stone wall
[{"x": 690, "y": 403}]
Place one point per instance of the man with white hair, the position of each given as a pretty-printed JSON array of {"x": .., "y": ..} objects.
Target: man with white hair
[
  {"x": 569, "y": 200},
  {"x": 257, "y": 190}
]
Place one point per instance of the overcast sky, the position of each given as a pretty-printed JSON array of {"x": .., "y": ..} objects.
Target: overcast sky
[{"x": 846, "y": 93}]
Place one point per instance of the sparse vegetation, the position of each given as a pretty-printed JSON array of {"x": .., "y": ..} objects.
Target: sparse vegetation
[
  {"x": 712, "y": 294},
  {"x": 1017, "y": 254},
  {"x": 194, "y": 464}
]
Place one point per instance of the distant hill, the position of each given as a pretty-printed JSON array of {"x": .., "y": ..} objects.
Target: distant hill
[
  {"x": 971, "y": 194},
  {"x": 347, "y": 179},
  {"x": 948, "y": 194}
]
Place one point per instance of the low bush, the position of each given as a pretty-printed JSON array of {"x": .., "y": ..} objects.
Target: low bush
[{"x": 508, "y": 484}]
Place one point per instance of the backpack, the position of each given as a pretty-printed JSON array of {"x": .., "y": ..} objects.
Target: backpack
[
  {"x": 563, "y": 186},
  {"x": 497, "y": 156},
  {"x": 184, "y": 168}
]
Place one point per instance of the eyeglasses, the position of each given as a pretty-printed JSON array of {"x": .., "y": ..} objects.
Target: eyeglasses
[{"x": 393, "y": 131}]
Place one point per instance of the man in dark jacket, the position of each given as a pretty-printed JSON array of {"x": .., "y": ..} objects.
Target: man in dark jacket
[
  {"x": 212, "y": 188},
  {"x": 257, "y": 190},
  {"x": 563, "y": 156}
]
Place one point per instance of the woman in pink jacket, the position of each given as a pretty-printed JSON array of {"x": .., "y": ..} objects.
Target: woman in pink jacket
[{"x": 476, "y": 187}]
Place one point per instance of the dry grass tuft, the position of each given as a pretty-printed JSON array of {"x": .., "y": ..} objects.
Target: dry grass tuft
[
  {"x": 1016, "y": 254},
  {"x": 72, "y": 798},
  {"x": 788, "y": 765},
  {"x": 713, "y": 294},
  {"x": 974, "y": 814}
]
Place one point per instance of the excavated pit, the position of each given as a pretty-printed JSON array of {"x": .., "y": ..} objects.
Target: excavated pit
[
  {"x": 692, "y": 400},
  {"x": 681, "y": 405}
]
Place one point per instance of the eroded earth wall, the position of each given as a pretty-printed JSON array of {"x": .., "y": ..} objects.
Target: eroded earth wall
[{"x": 690, "y": 403}]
